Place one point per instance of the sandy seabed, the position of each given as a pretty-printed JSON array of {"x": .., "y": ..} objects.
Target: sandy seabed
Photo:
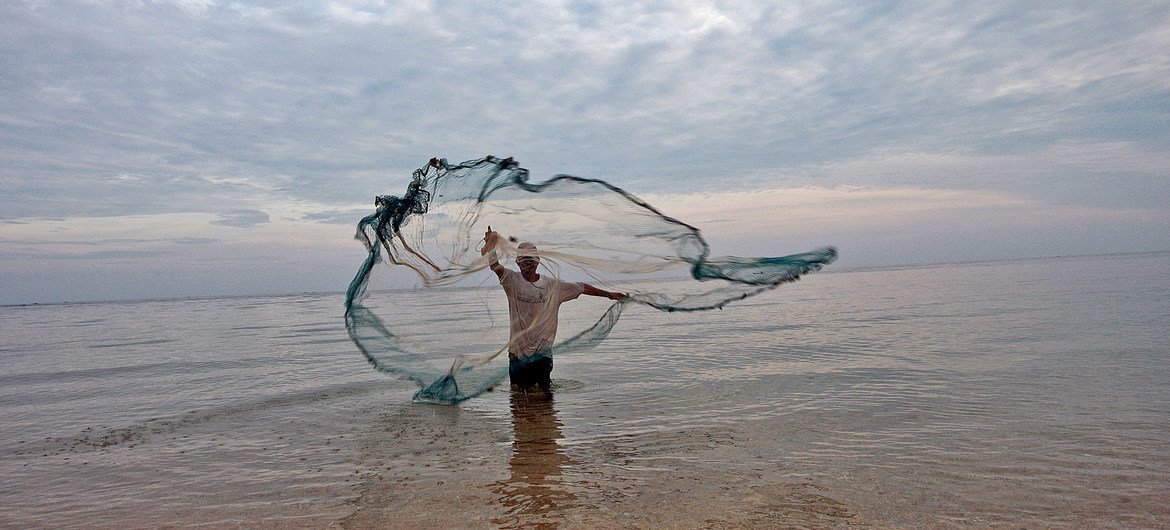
[{"x": 534, "y": 480}]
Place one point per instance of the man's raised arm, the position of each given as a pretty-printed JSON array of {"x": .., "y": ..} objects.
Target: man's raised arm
[{"x": 490, "y": 238}]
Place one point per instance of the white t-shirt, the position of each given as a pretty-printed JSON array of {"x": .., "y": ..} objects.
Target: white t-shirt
[{"x": 533, "y": 309}]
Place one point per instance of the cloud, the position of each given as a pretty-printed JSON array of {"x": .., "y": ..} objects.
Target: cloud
[
  {"x": 344, "y": 217},
  {"x": 221, "y": 114},
  {"x": 195, "y": 240},
  {"x": 765, "y": 213},
  {"x": 877, "y": 225},
  {"x": 116, "y": 255},
  {"x": 1116, "y": 174},
  {"x": 242, "y": 218},
  {"x": 316, "y": 101}
]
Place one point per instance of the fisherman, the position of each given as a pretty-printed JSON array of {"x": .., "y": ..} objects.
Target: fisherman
[{"x": 534, "y": 301}]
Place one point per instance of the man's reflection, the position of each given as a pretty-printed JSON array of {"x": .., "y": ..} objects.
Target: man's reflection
[{"x": 535, "y": 487}]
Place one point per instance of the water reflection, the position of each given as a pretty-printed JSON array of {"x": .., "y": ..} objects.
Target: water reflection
[{"x": 535, "y": 488}]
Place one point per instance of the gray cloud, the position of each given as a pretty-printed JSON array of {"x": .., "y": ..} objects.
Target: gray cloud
[
  {"x": 241, "y": 218},
  {"x": 195, "y": 240},
  {"x": 115, "y": 254},
  {"x": 227, "y": 108},
  {"x": 325, "y": 105},
  {"x": 344, "y": 217}
]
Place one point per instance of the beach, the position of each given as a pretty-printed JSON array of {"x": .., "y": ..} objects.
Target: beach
[{"x": 1027, "y": 393}]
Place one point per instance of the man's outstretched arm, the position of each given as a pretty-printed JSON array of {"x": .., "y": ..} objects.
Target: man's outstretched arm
[{"x": 593, "y": 291}]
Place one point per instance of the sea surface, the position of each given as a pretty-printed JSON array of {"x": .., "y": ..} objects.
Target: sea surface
[{"x": 1031, "y": 393}]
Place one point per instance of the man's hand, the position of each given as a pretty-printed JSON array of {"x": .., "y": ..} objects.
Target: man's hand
[{"x": 490, "y": 239}]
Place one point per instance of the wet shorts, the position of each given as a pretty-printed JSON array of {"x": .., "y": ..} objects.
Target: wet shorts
[{"x": 531, "y": 372}]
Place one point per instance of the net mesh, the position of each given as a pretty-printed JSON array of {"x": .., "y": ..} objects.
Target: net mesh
[{"x": 586, "y": 230}]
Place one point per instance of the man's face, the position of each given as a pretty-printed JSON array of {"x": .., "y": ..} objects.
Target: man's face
[{"x": 527, "y": 263}]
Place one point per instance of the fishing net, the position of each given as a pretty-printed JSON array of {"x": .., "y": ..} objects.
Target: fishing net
[{"x": 586, "y": 230}]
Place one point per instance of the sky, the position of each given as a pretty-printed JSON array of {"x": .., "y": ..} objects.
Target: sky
[{"x": 157, "y": 149}]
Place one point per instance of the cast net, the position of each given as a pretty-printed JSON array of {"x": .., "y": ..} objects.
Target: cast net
[{"x": 586, "y": 230}]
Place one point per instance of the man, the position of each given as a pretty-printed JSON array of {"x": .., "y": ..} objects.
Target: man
[{"x": 534, "y": 301}]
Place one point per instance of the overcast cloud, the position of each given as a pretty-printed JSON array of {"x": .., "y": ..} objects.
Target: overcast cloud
[{"x": 199, "y": 147}]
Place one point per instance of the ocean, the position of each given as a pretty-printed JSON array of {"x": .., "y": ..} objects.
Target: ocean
[{"x": 1031, "y": 393}]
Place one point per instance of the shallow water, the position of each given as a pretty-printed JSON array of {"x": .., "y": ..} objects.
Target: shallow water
[{"x": 1031, "y": 393}]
